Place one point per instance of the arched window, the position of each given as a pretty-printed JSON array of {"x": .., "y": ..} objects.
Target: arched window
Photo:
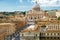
[{"x": 47, "y": 33}]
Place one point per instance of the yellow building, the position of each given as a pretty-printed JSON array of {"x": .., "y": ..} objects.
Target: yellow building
[
  {"x": 2, "y": 34},
  {"x": 6, "y": 29}
]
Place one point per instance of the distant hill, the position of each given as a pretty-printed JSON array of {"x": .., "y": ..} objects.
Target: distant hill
[{"x": 12, "y": 13}]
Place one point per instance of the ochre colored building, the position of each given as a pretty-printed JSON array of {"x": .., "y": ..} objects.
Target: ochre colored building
[{"x": 6, "y": 29}]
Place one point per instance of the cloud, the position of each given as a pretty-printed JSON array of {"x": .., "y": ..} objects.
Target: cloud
[
  {"x": 48, "y": 2},
  {"x": 21, "y": 0},
  {"x": 45, "y": 2}
]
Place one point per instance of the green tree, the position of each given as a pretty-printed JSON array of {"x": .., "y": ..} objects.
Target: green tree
[
  {"x": 23, "y": 13},
  {"x": 59, "y": 18}
]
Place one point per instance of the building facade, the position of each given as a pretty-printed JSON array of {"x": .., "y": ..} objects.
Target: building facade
[
  {"x": 58, "y": 13},
  {"x": 47, "y": 27},
  {"x": 6, "y": 30}
]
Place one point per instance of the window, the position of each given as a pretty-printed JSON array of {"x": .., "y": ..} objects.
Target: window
[
  {"x": 40, "y": 34},
  {"x": 47, "y": 33},
  {"x": 51, "y": 33},
  {"x": 22, "y": 34},
  {"x": 51, "y": 37},
  {"x": 35, "y": 18},
  {"x": 31, "y": 17},
  {"x": 38, "y": 17},
  {"x": 54, "y": 33},
  {"x": 54, "y": 37},
  {"x": 58, "y": 33},
  {"x": 34, "y": 37},
  {"x": 58, "y": 37},
  {"x": 36, "y": 34},
  {"x": 47, "y": 37}
]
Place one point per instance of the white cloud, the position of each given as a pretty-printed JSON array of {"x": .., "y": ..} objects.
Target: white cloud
[
  {"x": 47, "y": 2},
  {"x": 20, "y": 0}
]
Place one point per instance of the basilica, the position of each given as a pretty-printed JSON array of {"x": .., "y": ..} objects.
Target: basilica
[
  {"x": 35, "y": 13},
  {"x": 42, "y": 25}
]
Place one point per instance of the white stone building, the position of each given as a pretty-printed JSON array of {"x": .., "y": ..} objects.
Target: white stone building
[
  {"x": 58, "y": 13},
  {"x": 34, "y": 14}
]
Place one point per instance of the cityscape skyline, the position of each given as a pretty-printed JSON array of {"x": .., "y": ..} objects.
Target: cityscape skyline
[
  {"x": 29, "y": 20},
  {"x": 24, "y": 5}
]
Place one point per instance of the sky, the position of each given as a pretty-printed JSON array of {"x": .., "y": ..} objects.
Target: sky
[{"x": 25, "y": 5}]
